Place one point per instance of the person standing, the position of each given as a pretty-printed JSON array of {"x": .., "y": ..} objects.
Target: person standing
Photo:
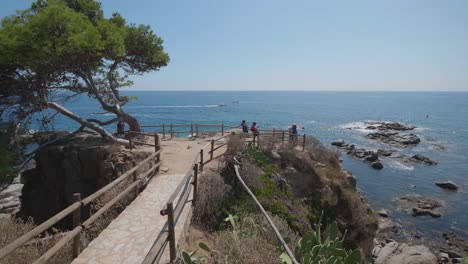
[
  {"x": 245, "y": 127},
  {"x": 293, "y": 131},
  {"x": 254, "y": 129},
  {"x": 120, "y": 128}
]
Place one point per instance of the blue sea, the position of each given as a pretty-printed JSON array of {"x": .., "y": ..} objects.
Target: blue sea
[{"x": 441, "y": 118}]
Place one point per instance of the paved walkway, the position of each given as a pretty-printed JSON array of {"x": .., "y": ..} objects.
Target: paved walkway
[{"x": 129, "y": 237}]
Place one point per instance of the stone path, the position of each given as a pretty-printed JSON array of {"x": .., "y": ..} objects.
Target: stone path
[{"x": 129, "y": 237}]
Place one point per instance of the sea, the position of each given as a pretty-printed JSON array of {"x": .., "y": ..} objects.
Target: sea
[{"x": 441, "y": 119}]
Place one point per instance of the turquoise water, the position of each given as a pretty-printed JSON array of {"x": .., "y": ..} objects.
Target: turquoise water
[{"x": 326, "y": 115}]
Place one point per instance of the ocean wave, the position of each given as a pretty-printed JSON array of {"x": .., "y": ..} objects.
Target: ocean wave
[
  {"x": 103, "y": 114},
  {"x": 398, "y": 165},
  {"x": 171, "y": 106}
]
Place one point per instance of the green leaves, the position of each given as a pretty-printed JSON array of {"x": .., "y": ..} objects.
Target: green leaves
[{"x": 311, "y": 248}]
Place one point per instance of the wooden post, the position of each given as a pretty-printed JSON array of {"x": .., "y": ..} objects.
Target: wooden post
[
  {"x": 274, "y": 132},
  {"x": 134, "y": 175},
  {"x": 77, "y": 222},
  {"x": 157, "y": 147},
  {"x": 197, "y": 129},
  {"x": 156, "y": 142},
  {"x": 222, "y": 129},
  {"x": 212, "y": 149},
  {"x": 191, "y": 130},
  {"x": 171, "y": 229},
  {"x": 130, "y": 139},
  {"x": 201, "y": 159},
  {"x": 164, "y": 131},
  {"x": 303, "y": 142},
  {"x": 195, "y": 183},
  {"x": 282, "y": 139},
  {"x": 172, "y": 131},
  {"x": 258, "y": 139}
]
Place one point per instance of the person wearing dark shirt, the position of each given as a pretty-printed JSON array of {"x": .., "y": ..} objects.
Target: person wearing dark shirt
[
  {"x": 245, "y": 127},
  {"x": 120, "y": 128}
]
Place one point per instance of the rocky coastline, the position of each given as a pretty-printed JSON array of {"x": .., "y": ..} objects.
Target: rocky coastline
[{"x": 393, "y": 243}]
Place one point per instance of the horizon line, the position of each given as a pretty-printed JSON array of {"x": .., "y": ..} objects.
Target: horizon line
[{"x": 422, "y": 91}]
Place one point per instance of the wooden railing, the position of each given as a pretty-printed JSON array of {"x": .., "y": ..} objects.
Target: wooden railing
[
  {"x": 192, "y": 129},
  {"x": 75, "y": 210},
  {"x": 189, "y": 182}
]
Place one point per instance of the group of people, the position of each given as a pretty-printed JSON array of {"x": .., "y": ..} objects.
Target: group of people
[
  {"x": 292, "y": 129},
  {"x": 245, "y": 127}
]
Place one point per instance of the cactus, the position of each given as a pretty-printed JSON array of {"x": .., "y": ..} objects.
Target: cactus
[{"x": 312, "y": 249}]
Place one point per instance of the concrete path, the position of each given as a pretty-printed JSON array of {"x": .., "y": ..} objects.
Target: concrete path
[{"x": 129, "y": 237}]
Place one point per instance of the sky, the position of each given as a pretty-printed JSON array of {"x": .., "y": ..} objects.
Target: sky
[{"x": 361, "y": 45}]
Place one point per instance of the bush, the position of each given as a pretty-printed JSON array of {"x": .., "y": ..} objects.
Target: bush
[
  {"x": 311, "y": 248},
  {"x": 11, "y": 229}
]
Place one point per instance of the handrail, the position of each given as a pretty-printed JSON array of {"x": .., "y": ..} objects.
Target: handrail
[
  {"x": 288, "y": 251},
  {"x": 183, "y": 189},
  {"x": 77, "y": 206}
]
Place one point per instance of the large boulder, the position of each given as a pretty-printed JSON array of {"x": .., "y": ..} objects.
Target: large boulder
[
  {"x": 82, "y": 164},
  {"x": 447, "y": 185},
  {"x": 389, "y": 126},
  {"x": 417, "y": 205},
  {"x": 395, "y": 253},
  {"x": 395, "y": 138}
]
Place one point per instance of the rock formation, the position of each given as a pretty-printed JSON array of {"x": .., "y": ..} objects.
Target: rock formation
[
  {"x": 395, "y": 138},
  {"x": 417, "y": 205},
  {"x": 82, "y": 164}
]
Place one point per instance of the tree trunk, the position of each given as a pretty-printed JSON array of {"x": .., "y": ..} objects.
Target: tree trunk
[
  {"x": 132, "y": 122},
  {"x": 101, "y": 131}
]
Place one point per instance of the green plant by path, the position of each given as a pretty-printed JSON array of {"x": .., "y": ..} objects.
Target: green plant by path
[{"x": 312, "y": 249}]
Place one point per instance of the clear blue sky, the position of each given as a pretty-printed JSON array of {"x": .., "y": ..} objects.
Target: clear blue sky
[{"x": 302, "y": 45}]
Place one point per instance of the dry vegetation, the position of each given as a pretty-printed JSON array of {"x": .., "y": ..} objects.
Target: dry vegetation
[
  {"x": 295, "y": 187},
  {"x": 11, "y": 229}
]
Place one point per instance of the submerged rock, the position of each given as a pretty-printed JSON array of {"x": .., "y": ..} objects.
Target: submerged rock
[
  {"x": 385, "y": 152},
  {"x": 360, "y": 153},
  {"x": 395, "y": 138},
  {"x": 389, "y": 126},
  {"x": 394, "y": 253},
  {"x": 417, "y": 205},
  {"x": 447, "y": 185},
  {"x": 377, "y": 165},
  {"x": 418, "y": 158}
]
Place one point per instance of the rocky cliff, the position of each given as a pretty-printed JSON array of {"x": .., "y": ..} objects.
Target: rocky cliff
[{"x": 82, "y": 164}]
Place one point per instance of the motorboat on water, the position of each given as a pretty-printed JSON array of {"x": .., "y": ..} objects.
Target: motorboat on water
[
  {"x": 235, "y": 102},
  {"x": 221, "y": 105}
]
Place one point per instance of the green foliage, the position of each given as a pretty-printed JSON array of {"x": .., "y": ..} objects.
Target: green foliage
[
  {"x": 69, "y": 46},
  {"x": 465, "y": 260},
  {"x": 188, "y": 257},
  {"x": 258, "y": 156},
  {"x": 8, "y": 158},
  {"x": 311, "y": 248}
]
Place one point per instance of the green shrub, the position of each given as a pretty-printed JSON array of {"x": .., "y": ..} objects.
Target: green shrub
[{"x": 311, "y": 248}]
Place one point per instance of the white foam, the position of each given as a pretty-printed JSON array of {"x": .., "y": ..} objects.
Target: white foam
[
  {"x": 172, "y": 106},
  {"x": 399, "y": 165}
]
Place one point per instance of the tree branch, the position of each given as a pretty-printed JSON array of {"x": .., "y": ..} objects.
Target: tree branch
[
  {"x": 103, "y": 123},
  {"x": 104, "y": 133}
]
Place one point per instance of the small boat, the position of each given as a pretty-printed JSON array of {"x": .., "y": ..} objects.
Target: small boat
[
  {"x": 221, "y": 105},
  {"x": 235, "y": 102}
]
